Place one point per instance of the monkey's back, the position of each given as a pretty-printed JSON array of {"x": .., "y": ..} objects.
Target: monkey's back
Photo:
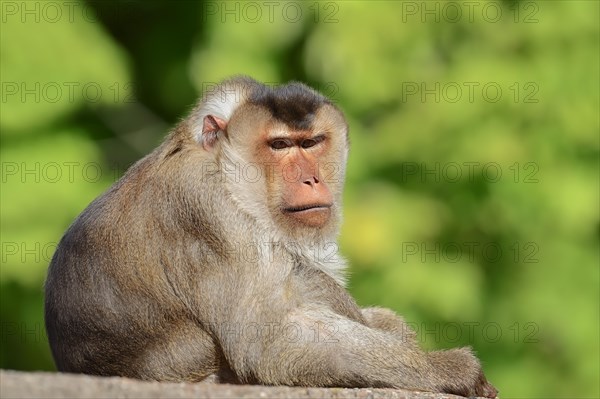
[{"x": 110, "y": 308}]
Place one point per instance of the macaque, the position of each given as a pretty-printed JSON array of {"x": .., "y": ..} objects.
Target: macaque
[{"x": 214, "y": 258}]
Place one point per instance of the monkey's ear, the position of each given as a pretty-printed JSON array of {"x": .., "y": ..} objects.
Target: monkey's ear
[{"x": 210, "y": 127}]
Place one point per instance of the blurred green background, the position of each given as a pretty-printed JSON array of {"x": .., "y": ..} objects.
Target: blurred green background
[{"x": 472, "y": 197}]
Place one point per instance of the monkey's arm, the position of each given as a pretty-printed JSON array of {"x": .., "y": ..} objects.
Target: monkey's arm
[
  {"x": 387, "y": 320},
  {"x": 313, "y": 346}
]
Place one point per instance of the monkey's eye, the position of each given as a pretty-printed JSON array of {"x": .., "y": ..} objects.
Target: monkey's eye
[
  {"x": 312, "y": 142},
  {"x": 280, "y": 144}
]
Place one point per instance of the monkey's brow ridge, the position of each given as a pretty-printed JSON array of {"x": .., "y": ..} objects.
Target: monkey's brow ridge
[{"x": 293, "y": 104}]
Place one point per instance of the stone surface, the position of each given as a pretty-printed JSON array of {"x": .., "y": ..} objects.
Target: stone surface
[{"x": 16, "y": 384}]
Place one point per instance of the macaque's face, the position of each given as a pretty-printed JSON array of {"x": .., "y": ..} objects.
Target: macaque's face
[{"x": 301, "y": 159}]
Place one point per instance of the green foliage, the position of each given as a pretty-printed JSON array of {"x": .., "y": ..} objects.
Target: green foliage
[{"x": 472, "y": 202}]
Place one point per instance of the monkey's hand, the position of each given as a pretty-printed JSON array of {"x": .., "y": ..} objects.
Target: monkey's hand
[{"x": 461, "y": 374}]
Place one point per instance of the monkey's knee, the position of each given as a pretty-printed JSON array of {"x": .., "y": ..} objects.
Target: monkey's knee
[{"x": 388, "y": 321}]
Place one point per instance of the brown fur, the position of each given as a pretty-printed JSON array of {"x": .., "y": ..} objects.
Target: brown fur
[{"x": 181, "y": 272}]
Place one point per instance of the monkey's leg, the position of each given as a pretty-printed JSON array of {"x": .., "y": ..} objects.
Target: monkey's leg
[
  {"x": 387, "y": 320},
  {"x": 184, "y": 353}
]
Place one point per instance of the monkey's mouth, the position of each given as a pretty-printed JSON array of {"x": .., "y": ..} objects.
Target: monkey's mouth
[
  {"x": 312, "y": 215},
  {"x": 303, "y": 208}
]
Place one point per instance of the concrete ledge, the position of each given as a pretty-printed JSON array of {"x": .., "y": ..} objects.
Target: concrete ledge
[{"x": 16, "y": 384}]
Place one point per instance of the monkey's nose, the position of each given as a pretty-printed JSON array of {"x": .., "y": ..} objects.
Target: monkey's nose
[{"x": 312, "y": 181}]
